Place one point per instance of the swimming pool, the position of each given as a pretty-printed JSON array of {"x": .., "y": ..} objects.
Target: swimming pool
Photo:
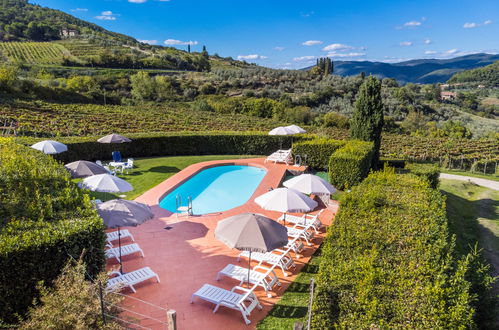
[{"x": 216, "y": 189}]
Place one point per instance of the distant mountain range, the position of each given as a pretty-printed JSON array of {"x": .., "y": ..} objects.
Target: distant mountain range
[{"x": 424, "y": 71}]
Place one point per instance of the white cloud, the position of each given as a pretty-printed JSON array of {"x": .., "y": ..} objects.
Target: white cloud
[
  {"x": 107, "y": 15},
  {"x": 137, "y": 1},
  {"x": 304, "y": 58},
  {"x": 79, "y": 9},
  {"x": 412, "y": 24},
  {"x": 179, "y": 42},
  {"x": 406, "y": 43},
  {"x": 336, "y": 47},
  {"x": 307, "y": 14},
  {"x": 279, "y": 49},
  {"x": 311, "y": 42},
  {"x": 251, "y": 57},
  {"x": 430, "y": 52},
  {"x": 352, "y": 54},
  {"x": 452, "y": 51},
  {"x": 427, "y": 41},
  {"x": 150, "y": 42},
  {"x": 487, "y": 22},
  {"x": 470, "y": 25}
]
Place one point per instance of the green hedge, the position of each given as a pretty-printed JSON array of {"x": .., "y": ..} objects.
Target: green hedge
[
  {"x": 388, "y": 261},
  {"x": 318, "y": 151},
  {"x": 429, "y": 172},
  {"x": 44, "y": 219},
  {"x": 157, "y": 144},
  {"x": 350, "y": 164}
]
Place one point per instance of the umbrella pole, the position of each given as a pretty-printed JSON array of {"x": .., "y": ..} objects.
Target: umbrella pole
[
  {"x": 249, "y": 269},
  {"x": 119, "y": 244},
  {"x": 284, "y": 219}
]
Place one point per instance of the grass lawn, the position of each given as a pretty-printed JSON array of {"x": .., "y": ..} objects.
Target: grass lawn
[
  {"x": 492, "y": 177},
  {"x": 473, "y": 214},
  {"x": 149, "y": 172},
  {"x": 293, "y": 306}
]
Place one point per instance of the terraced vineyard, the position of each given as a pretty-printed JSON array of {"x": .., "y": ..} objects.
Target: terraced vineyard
[
  {"x": 34, "y": 52},
  {"x": 81, "y": 48}
]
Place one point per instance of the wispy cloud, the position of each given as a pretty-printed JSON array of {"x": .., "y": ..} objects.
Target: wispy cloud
[
  {"x": 427, "y": 41},
  {"x": 150, "y": 42},
  {"x": 406, "y": 43},
  {"x": 251, "y": 57},
  {"x": 79, "y": 9},
  {"x": 107, "y": 15},
  {"x": 312, "y": 42},
  {"x": 137, "y": 1},
  {"x": 412, "y": 24},
  {"x": 307, "y": 14},
  {"x": 279, "y": 49},
  {"x": 452, "y": 51},
  {"x": 430, "y": 52},
  {"x": 473, "y": 25},
  {"x": 337, "y": 47},
  {"x": 175, "y": 42},
  {"x": 351, "y": 54},
  {"x": 304, "y": 58}
]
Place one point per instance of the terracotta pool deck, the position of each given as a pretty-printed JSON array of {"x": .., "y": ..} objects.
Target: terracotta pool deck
[{"x": 188, "y": 255}]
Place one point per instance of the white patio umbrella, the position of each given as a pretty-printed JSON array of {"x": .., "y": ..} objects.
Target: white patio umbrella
[
  {"x": 281, "y": 130},
  {"x": 310, "y": 184},
  {"x": 295, "y": 128},
  {"x": 285, "y": 200},
  {"x": 106, "y": 183},
  {"x": 113, "y": 138},
  {"x": 251, "y": 232},
  {"x": 118, "y": 213},
  {"x": 50, "y": 147}
]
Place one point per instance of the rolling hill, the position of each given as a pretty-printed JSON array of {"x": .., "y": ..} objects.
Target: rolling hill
[
  {"x": 487, "y": 75},
  {"x": 424, "y": 71}
]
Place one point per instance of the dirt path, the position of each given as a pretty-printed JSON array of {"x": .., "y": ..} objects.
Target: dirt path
[{"x": 481, "y": 182}]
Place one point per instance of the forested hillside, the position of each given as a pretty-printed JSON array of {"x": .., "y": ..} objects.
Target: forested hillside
[{"x": 487, "y": 76}]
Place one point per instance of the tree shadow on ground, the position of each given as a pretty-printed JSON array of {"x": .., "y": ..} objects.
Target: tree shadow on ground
[{"x": 285, "y": 311}]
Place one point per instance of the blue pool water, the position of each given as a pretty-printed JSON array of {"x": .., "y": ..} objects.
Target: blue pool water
[{"x": 216, "y": 189}]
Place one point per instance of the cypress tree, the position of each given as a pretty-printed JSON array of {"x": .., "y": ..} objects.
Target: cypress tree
[
  {"x": 367, "y": 120},
  {"x": 188, "y": 48}
]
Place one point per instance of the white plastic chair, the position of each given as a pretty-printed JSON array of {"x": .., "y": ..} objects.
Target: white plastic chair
[
  {"x": 267, "y": 280},
  {"x": 128, "y": 165}
]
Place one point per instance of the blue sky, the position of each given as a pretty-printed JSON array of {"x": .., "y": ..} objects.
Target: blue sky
[{"x": 291, "y": 34}]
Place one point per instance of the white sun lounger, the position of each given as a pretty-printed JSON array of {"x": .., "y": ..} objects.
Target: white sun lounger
[
  {"x": 303, "y": 232},
  {"x": 244, "y": 302},
  {"x": 280, "y": 156},
  {"x": 304, "y": 220},
  {"x": 129, "y": 279},
  {"x": 283, "y": 261},
  {"x": 113, "y": 236},
  {"x": 125, "y": 250},
  {"x": 266, "y": 280},
  {"x": 296, "y": 246}
]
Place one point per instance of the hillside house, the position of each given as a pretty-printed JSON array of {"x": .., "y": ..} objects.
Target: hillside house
[
  {"x": 446, "y": 96},
  {"x": 68, "y": 33}
]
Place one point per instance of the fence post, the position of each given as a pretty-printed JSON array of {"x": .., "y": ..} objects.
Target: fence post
[
  {"x": 298, "y": 326},
  {"x": 171, "y": 316},
  {"x": 310, "y": 300}
]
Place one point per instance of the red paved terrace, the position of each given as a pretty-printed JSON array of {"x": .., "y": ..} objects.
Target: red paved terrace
[{"x": 188, "y": 255}]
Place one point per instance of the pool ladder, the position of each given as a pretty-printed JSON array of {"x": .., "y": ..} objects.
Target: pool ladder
[{"x": 182, "y": 209}]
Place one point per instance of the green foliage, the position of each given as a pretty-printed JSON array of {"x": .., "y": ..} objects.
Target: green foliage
[
  {"x": 317, "y": 151},
  {"x": 428, "y": 172},
  {"x": 163, "y": 144},
  {"x": 350, "y": 164},
  {"x": 73, "y": 303},
  {"x": 34, "y": 52},
  {"x": 8, "y": 78},
  {"x": 487, "y": 75},
  {"x": 333, "y": 119},
  {"x": 367, "y": 119},
  {"x": 388, "y": 261},
  {"x": 81, "y": 84},
  {"x": 44, "y": 218}
]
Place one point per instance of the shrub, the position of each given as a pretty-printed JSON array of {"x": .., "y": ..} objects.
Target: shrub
[
  {"x": 350, "y": 164},
  {"x": 174, "y": 144},
  {"x": 44, "y": 219},
  {"x": 333, "y": 119},
  {"x": 388, "y": 261},
  {"x": 73, "y": 303},
  {"x": 318, "y": 151},
  {"x": 429, "y": 172}
]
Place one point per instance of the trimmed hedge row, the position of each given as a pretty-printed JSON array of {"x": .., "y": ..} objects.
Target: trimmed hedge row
[
  {"x": 158, "y": 144},
  {"x": 318, "y": 151},
  {"x": 429, "y": 172},
  {"x": 44, "y": 219},
  {"x": 388, "y": 261},
  {"x": 350, "y": 164}
]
